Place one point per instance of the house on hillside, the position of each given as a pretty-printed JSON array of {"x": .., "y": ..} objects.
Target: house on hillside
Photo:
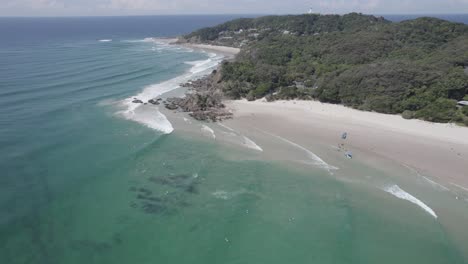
[{"x": 463, "y": 103}]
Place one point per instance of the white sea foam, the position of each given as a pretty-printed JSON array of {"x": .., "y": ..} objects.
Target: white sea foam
[
  {"x": 202, "y": 65},
  {"x": 226, "y": 127},
  {"x": 105, "y": 40},
  {"x": 431, "y": 182},
  {"x": 316, "y": 160},
  {"x": 221, "y": 195},
  {"x": 224, "y": 195},
  {"x": 148, "y": 40},
  {"x": 151, "y": 118},
  {"x": 230, "y": 131},
  {"x": 208, "y": 131},
  {"x": 247, "y": 142},
  {"x": 459, "y": 186},
  {"x": 435, "y": 184},
  {"x": 396, "y": 191},
  {"x": 149, "y": 115},
  {"x": 251, "y": 144}
]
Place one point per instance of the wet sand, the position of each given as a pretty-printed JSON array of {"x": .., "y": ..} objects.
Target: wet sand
[{"x": 437, "y": 151}]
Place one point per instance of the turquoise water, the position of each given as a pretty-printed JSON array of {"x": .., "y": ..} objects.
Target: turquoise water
[{"x": 80, "y": 183}]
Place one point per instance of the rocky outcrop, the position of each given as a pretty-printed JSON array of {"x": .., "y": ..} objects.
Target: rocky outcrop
[
  {"x": 204, "y": 100},
  {"x": 171, "y": 105},
  {"x": 155, "y": 101},
  {"x": 203, "y": 106}
]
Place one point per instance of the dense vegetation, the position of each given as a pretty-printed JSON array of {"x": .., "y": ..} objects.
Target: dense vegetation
[{"x": 418, "y": 68}]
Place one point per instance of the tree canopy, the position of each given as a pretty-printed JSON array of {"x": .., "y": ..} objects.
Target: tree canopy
[{"x": 417, "y": 67}]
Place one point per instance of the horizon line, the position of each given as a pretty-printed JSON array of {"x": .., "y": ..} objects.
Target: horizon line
[{"x": 226, "y": 14}]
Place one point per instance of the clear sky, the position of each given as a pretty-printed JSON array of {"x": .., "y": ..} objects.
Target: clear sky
[{"x": 155, "y": 7}]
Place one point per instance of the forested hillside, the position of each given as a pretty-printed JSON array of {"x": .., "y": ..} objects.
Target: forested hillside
[{"x": 418, "y": 68}]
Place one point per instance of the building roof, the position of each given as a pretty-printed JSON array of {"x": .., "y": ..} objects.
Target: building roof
[{"x": 463, "y": 103}]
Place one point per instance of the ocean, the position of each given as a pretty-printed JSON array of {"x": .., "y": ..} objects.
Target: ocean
[{"x": 87, "y": 176}]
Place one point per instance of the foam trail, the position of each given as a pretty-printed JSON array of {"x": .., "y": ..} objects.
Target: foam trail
[
  {"x": 433, "y": 183},
  {"x": 251, "y": 144},
  {"x": 459, "y": 186},
  {"x": 247, "y": 142},
  {"x": 226, "y": 127},
  {"x": 105, "y": 40},
  {"x": 231, "y": 132},
  {"x": 317, "y": 160},
  {"x": 396, "y": 191},
  {"x": 208, "y": 130}
]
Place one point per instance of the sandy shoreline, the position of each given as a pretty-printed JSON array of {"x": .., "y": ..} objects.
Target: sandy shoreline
[
  {"x": 223, "y": 50},
  {"x": 412, "y": 163},
  {"x": 439, "y": 151}
]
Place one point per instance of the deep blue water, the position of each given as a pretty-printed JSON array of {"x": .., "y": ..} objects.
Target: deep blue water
[{"x": 28, "y": 31}]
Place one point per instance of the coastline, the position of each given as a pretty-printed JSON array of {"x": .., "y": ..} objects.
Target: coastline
[
  {"x": 100, "y": 162},
  {"x": 145, "y": 107},
  {"x": 229, "y": 52},
  {"x": 437, "y": 151},
  {"x": 221, "y": 50}
]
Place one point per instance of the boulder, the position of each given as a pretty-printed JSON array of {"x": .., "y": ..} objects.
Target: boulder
[
  {"x": 155, "y": 101},
  {"x": 171, "y": 106}
]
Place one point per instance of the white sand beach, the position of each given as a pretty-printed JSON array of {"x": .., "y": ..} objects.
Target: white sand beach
[
  {"x": 223, "y": 50},
  {"x": 439, "y": 151}
]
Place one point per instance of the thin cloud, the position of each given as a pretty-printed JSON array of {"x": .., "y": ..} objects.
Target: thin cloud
[{"x": 126, "y": 7}]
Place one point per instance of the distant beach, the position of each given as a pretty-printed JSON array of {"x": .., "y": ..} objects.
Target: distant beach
[{"x": 221, "y": 50}]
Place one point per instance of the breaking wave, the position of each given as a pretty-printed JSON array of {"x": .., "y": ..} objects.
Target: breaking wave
[
  {"x": 149, "y": 115},
  {"x": 246, "y": 142},
  {"x": 251, "y": 144},
  {"x": 316, "y": 160},
  {"x": 396, "y": 191},
  {"x": 208, "y": 130}
]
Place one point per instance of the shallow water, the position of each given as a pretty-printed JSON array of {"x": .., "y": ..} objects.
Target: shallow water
[
  {"x": 81, "y": 183},
  {"x": 173, "y": 196}
]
